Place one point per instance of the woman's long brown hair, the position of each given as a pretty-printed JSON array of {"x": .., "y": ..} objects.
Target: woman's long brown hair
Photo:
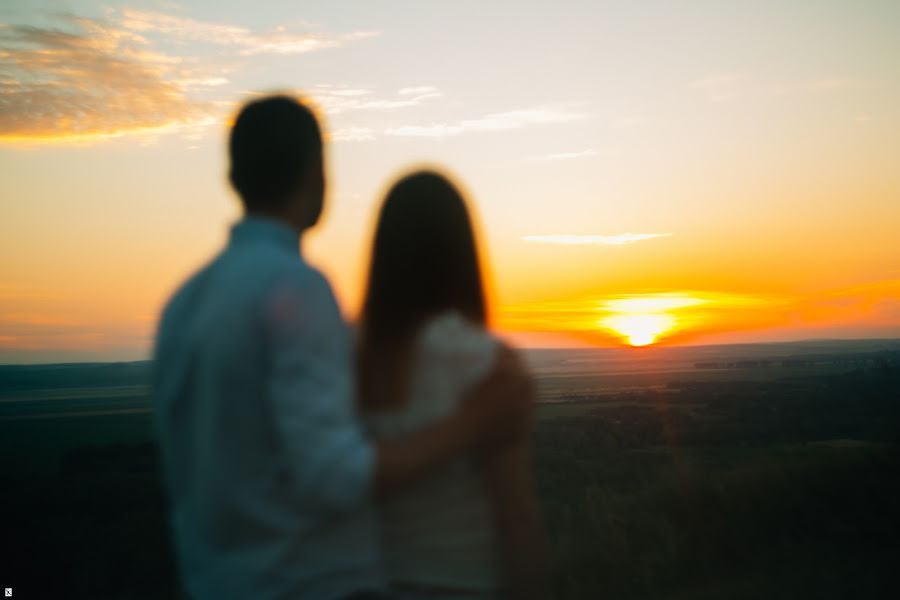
[{"x": 424, "y": 262}]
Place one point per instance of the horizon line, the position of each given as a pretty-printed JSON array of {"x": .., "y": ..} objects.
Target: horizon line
[{"x": 521, "y": 348}]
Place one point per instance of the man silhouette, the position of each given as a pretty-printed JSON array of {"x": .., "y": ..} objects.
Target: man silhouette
[{"x": 270, "y": 476}]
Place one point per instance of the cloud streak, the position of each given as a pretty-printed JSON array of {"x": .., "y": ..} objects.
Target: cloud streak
[
  {"x": 619, "y": 239},
  {"x": 351, "y": 134},
  {"x": 570, "y": 155},
  {"x": 83, "y": 79},
  {"x": 501, "y": 121},
  {"x": 92, "y": 80},
  {"x": 338, "y": 99},
  {"x": 248, "y": 43}
]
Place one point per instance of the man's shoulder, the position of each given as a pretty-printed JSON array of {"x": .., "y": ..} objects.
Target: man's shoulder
[
  {"x": 249, "y": 270},
  {"x": 251, "y": 276},
  {"x": 286, "y": 272},
  {"x": 272, "y": 263},
  {"x": 182, "y": 294}
]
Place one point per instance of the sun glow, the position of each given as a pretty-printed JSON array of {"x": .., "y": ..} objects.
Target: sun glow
[
  {"x": 651, "y": 304},
  {"x": 642, "y": 319},
  {"x": 637, "y": 329}
]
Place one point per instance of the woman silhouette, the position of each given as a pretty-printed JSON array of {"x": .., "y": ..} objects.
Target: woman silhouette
[{"x": 471, "y": 528}]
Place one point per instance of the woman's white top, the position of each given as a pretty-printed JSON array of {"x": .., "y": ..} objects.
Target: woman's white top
[{"x": 439, "y": 530}]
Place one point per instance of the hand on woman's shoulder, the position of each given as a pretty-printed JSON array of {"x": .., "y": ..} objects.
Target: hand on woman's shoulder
[
  {"x": 464, "y": 345},
  {"x": 504, "y": 397}
]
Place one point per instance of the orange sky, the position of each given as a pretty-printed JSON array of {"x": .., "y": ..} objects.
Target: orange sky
[{"x": 715, "y": 174}]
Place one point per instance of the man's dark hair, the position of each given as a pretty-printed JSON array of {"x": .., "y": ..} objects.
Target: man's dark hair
[{"x": 274, "y": 142}]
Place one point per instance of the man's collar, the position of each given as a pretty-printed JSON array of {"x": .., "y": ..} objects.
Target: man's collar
[{"x": 254, "y": 228}]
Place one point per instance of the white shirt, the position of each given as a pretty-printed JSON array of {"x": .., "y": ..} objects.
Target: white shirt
[
  {"x": 439, "y": 530},
  {"x": 268, "y": 470}
]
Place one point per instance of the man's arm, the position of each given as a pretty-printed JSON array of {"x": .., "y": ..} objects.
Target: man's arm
[
  {"x": 492, "y": 413},
  {"x": 311, "y": 387}
]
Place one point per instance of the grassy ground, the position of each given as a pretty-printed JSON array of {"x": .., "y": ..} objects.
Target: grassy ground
[
  {"x": 797, "y": 521},
  {"x": 711, "y": 488}
]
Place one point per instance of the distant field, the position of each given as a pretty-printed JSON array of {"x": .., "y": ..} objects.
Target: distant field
[
  {"x": 772, "y": 474},
  {"x": 568, "y": 374},
  {"x": 46, "y": 411}
]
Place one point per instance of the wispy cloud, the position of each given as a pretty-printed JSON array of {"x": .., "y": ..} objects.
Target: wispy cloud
[
  {"x": 347, "y": 103},
  {"x": 570, "y": 155},
  {"x": 337, "y": 99},
  {"x": 417, "y": 91},
  {"x": 619, "y": 239},
  {"x": 501, "y": 121},
  {"x": 83, "y": 79},
  {"x": 90, "y": 80},
  {"x": 248, "y": 43},
  {"x": 352, "y": 134}
]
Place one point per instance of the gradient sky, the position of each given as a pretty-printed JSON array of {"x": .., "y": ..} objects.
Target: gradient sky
[{"x": 731, "y": 170}]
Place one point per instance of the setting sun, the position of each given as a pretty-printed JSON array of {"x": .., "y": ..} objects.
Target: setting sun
[
  {"x": 639, "y": 330},
  {"x": 642, "y": 319}
]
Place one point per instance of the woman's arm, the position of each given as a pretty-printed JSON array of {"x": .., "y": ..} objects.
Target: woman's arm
[{"x": 510, "y": 482}]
